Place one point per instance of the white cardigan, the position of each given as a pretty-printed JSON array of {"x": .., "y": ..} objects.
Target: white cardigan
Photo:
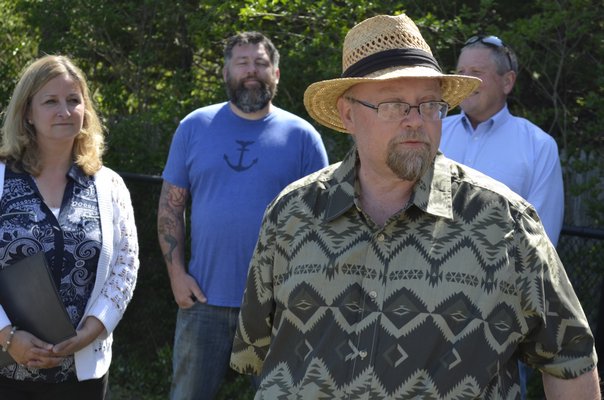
[{"x": 116, "y": 272}]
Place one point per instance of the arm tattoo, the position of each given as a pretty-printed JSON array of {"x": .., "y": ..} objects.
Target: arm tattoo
[
  {"x": 170, "y": 219},
  {"x": 167, "y": 237}
]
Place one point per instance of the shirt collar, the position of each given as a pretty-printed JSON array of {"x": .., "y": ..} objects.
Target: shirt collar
[
  {"x": 342, "y": 192},
  {"x": 432, "y": 193},
  {"x": 77, "y": 174},
  {"x": 494, "y": 122}
]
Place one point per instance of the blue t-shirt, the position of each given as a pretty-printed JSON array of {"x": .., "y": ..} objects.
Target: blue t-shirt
[{"x": 233, "y": 167}]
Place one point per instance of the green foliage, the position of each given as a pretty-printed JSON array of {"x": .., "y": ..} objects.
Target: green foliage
[
  {"x": 18, "y": 45},
  {"x": 151, "y": 62},
  {"x": 135, "y": 377},
  {"x": 236, "y": 387}
]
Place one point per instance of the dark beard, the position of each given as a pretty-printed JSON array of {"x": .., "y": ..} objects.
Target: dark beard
[
  {"x": 250, "y": 100},
  {"x": 408, "y": 165}
]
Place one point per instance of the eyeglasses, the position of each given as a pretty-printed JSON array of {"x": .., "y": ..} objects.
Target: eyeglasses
[
  {"x": 398, "y": 110},
  {"x": 492, "y": 41}
]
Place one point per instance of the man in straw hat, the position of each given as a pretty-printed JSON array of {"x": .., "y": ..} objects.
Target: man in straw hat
[{"x": 398, "y": 273}]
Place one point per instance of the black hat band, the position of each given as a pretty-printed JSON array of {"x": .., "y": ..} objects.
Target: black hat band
[{"x": 391, "y": 58}]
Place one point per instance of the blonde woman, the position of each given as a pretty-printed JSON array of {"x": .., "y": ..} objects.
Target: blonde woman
[{"x": 59, "y": 199}]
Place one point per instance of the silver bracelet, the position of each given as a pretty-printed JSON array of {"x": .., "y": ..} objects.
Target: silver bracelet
[{"x": 6, "y": 345}]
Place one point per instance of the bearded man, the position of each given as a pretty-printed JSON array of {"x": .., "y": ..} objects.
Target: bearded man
[
  {"x": 398, "y": 273},
  {"x": 232, "y": 159}
]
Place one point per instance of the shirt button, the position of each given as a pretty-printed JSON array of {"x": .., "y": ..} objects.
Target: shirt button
[
  {"x": 373, "y": 294},
  {"x": 363, "y": 354},
  {"x": 381, "y": 237}
]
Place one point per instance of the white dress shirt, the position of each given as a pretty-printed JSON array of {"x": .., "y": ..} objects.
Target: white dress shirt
[{"x": 517, "y": 153}]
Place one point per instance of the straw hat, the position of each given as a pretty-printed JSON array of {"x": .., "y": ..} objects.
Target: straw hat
[{"x": 382, "y": 48}]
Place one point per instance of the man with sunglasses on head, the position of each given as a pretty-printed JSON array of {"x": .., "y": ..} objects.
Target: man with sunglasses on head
[
  {"x": 511, "y": 149},
  {"x": 487, "y": 137}
]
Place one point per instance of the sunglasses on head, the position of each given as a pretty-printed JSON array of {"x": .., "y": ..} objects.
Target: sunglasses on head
[
  {"x": 488, "y": 40},
  {"x": 492, "y": 41}
]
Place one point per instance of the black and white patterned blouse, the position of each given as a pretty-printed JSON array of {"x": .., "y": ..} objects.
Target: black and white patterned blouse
[{"x": 71, "y": 242}]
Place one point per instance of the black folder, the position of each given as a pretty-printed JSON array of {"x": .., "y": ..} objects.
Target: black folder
[{"x": 31, "y": 301}]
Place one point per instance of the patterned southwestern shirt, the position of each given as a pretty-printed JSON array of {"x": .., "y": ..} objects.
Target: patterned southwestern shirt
[{"x": 440, "y": 303}]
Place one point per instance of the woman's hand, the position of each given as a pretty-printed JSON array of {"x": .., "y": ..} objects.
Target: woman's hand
[
  {"x": 90, "y": 330},
  {"x": 26, "y": 349}
]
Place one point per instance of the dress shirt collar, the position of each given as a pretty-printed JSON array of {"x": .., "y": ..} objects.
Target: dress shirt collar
[
  {"x": 492, "y": 123},
  {"x": 432, "y": 193}
]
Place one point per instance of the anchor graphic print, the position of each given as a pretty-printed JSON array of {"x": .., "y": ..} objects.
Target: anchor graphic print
[{"x": 240, "y": 167}]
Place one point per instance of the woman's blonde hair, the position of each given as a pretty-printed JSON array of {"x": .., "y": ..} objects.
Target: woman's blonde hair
[{"x": 19, "y": 141}]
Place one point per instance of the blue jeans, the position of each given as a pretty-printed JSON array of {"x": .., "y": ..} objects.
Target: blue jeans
[
  {"x": 202, "y": 350},
  {"x": 525, "y": 372}
]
